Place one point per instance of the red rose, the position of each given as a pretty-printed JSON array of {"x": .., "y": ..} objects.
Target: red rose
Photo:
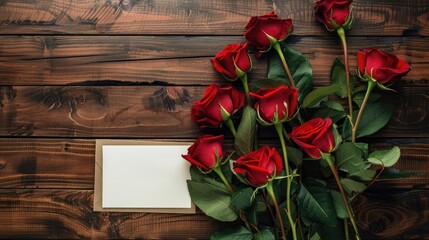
[
  {"x": 271, "y": 101},
  {"x": 260, "y": 29},
  {"x": 233, "y": 61},
  {"x": 334, "y": 13},
  {"x": 208, "y": 111},
  {"x": 314, "y": 136},
  {"x": 383, "y": 67},
  {"x": 205, "y": 152},
  {"x": 259, "y": 166}
]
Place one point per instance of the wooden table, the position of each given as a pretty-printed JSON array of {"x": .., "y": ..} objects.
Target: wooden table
[{"x": 74, "y": 71}]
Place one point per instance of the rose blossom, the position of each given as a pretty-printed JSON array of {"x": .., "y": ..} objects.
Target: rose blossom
[
  {"x": 333, "y": 13},
  {"x": 208, "y": 111},
  {"x": 383, "y": 67},
  {"x": 314, "y": 136},
  {"x": 271, "y": 101},
  {"x": 205, "y": 152},
  {"x": 259, "y": 166},
  {"x": 233, "y": 61},
  {"x": 261, "y": 28}
]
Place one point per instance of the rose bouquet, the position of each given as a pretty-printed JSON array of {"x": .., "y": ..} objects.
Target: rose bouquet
[{"x": 303, "y": 186}]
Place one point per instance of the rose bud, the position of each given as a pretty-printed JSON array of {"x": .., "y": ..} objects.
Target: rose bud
[
  {"x": 206, "y": 152},
  {"x": 233, "y": 61},
  {"x": 385, "y": 68},
  {"x": 275, "y": 105},
  {"x": 264, "y": 31},
  {"x": 259, "y": 166},
  {"x": 334, "y": 13},
  {"x": 314, "y": 137},
  {"x": 217, "y": 105}
]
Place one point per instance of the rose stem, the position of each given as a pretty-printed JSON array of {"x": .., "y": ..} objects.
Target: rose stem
[
  {"x": 246, "y": 88},
  {"x": 278, "y": 49},
  {"x": 271, "y": 213},
  {"x": 279, "y": 129},
  {"x": 346, "y": 228},
  {"x": 219, "y": 172},
  {"x": 276, "y": 206},
  {"x": 328, "y": 159},
  {"x": 286, "y": 136},
  {"x": 231, "y": 127},
  {"x": 371, "y": 85},
  {"x": 341, "y": 33}
]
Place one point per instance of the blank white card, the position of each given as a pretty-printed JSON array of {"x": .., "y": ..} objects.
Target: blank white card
[{"x": 148, "y": 176}]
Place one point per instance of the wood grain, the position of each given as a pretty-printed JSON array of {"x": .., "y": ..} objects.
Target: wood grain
[
  {"x": 47, "y": 163},
  {"x": 400, "y": 215},
  {"x": 43, "y": 213},
  {"x": 150, "y": 111},
  {"x": 67, "y": 163},
  {"x": 221, "y": 17},
  {"x": 67, "y": 214},
  {"x": 82, "y": 60},
  {"x": 72, "y": 71}
]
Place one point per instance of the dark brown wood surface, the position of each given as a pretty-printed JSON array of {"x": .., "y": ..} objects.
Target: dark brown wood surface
[
  {"x": 202, "y": 17},
  {"x": 57, "y": 60},
  {"x": 75, "y": 71}
]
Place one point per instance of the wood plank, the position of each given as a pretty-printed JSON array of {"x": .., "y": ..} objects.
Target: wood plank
[
  {"x": 80, "y": 60},
  {"x": 393, "y": 215},
  {"x": 68, "y": 163},
  {"x": 150, "y": 111},
  {"x": 47, "y": 163},
  {"x": 204, "y": 17},
  {"x": 68, "y": 214}
]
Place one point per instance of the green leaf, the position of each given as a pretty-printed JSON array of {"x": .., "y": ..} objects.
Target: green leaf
[
  {"x": 196, "y": 175},
  {"x": 242, "y": 199},
  {"x": 299, "y": 66},
  {"x": 363, "y": 147},
  {"x": 264, "y": 235},
  {"x": 332, "y": 105},
  {"x": 226, "y": 170},
  {"x": 374, "y": 117},
  {"x": 333, "y": 114},
  {"x": 261, "y": 205},
  {"x": 252, "y": 213},
  {"x": 331, "y": 232},
  {"x": 352, "y": 186},
  {"x": 337, "y": 137},
  {"x": 340, "y": 206},
  {"x": 318, "y": 95},
  {"x": 349, "y": 158},
  {"x": 316, "y": 204},
  {"x": 358, "y": 98},
  {"x": 364, "y": 175},
  {"x": 330, "y": 109},
  {"x": 324, "y": 168},
  {"x": 338, "y": 77},
  {"x": 245, "y": 136},
  {"x": 236, "y": 233},
  {"x": 393, "y": 173},
  {"x": 346, "y": 131},
  {"x": 213, "y": 199},
  {"x": 294, "y": 155},
  {"x": 387, "y": 157},
  {"x": 316, "y": 236}
]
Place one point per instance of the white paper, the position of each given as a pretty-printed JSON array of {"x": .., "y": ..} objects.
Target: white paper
[{"x": 149, "y": 176}]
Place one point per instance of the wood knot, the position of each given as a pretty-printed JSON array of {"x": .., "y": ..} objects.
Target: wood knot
[{"x": 3, "y": 164}]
